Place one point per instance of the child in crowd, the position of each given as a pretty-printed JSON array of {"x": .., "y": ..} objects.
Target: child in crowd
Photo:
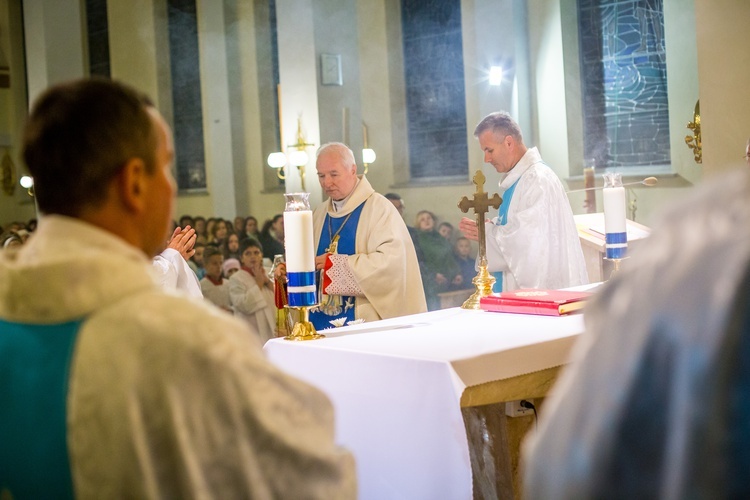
[
  {"x": 441, "y": 271},
  {"x": 231, "y": 246},
  {"x": 214, "y": 287},
  {"x": 466, "y": 263},
  {"x": 196, "y": 261},
  {"x": 251, "y": 291},
  {"x": 230, "y": 267},
  {"x": 446, "y": 230}
]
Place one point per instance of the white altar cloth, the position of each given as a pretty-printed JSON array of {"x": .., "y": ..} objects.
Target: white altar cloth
[{"x": 396, "y": 387}]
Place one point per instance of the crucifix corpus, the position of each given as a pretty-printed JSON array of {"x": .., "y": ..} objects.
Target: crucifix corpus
[{"x": 481, "y": 203}]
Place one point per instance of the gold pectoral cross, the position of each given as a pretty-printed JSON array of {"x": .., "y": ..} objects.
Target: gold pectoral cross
[
  {"x": 334, "y": 245},
  {"x": 481, "y": 203}
]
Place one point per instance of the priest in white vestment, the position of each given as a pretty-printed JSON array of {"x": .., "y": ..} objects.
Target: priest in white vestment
[
  {"x": 366, "y": 258},
  {"x": 533, "y": 242},
  {"x": 113, "y": 386}
]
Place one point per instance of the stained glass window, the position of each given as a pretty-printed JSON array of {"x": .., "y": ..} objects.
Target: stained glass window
[
  {"x": 624, "y": 82},
  {"x": 435, "y": 96}
]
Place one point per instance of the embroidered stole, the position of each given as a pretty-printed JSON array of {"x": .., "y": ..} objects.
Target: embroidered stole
[
  {"x": 34, "y": 376},
  {"x": 502, "y": 219},
  {"x": 335, "y": 306}
]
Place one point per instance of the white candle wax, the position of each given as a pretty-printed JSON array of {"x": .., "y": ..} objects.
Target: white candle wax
[
  {"x": 299, "y": 241},
  {"x": 614, "y": 210}
]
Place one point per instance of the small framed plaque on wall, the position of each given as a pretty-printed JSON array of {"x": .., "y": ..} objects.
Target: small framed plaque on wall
[{"x": 330, "y": 69}]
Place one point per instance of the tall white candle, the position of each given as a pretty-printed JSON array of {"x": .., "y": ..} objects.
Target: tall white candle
[
  {"x": 299, "y": 241},
  {"x": 614, "y": 209}
]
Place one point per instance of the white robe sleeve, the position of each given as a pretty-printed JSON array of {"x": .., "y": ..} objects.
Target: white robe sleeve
[
  {"x": 244, "y": 294},
  {"x": 173, "y": 272}
]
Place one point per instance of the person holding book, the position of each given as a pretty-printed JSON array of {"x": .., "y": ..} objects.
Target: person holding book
[{"x": 533, "y": 242}]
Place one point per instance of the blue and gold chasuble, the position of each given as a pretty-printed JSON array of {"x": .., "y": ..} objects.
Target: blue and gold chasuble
[
  {"x": 344, "y": 231},
  {"x": 34, "y": 374},
  {"x": 502, "y": 219}
]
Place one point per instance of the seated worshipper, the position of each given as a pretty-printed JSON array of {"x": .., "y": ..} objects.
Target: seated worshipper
[
  {"x": 251, "y": 227},
  {"x": 229, "y": 267},
  {"x": 398, "y": 202},
  {"x": 441, "y": 271},
  {"x": 10, "y": 240},
  {"x": 171, "y": 265},
  {"x": 654, "y": 403},
  {"x": 446, "y": 230},
  {"x": 200, "y": 230},
  {"x": 137, "y": 392},
  {"x": 369, "y": 269},
  {"x": 187, "y": 220},
  {"x": 213, "y": 285},
  {"x": 231, "y": 246},
  {"x": 251, "y": 291},
  {"x": 466, "y": 264},
  {"x": 239, "y": 226},
  {"x": 218, "y": 233},
  {"x": 196, "y": 261},
  {"x": 272, "y": 237},
  {"x": 533, "y": 242}
]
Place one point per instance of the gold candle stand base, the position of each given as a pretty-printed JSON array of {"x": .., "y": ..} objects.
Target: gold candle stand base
[
  {"x": 616, "y": 263},
  {"x": 303, "y": 329},
  {"x": 483, "y": 282}
]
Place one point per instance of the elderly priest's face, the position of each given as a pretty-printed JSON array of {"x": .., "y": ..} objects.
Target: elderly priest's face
[{"x": 337, "y": 177}]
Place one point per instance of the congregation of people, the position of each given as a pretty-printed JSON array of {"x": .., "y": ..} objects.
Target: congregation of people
[{"x": 446, "y": 260}]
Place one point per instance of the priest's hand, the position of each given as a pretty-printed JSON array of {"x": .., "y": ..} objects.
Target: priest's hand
[
  {"x": 183, "y": 240},
  {"x": 469, "y": 228},
  {"x": 320, "y": 261}
]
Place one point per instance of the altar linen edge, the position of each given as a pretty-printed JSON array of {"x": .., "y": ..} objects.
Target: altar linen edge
[{"x": 536, "y": 301}]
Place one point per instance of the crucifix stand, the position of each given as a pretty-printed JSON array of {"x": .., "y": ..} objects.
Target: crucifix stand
[{"x": 481, "y": 203}]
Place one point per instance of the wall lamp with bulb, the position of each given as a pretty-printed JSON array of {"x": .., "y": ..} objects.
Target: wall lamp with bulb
[
  {"x": 27, "y": 182},
  {"x": 368, "y": 154},
  {"x": 296, "y": 158}
]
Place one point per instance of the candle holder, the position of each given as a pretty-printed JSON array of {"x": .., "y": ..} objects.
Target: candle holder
[
  {"x": 483, "y": 282},
  {"x": 303, "y": 329},
  {"x": 481, "y": 203},
  {"x": 616, "y": 264},
  {"x": 300, "y": 264}
]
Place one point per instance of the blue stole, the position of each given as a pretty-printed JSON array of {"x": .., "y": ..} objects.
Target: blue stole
[
  {"x": 502, "y": 219},
  {"x": 34, "y": 375},
  {"x": 322, "y": 315}
]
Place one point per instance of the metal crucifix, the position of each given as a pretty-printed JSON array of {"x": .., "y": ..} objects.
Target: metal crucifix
[{"x": 481, "y": 203}]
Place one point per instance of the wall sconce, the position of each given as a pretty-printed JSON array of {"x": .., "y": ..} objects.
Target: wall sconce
[
  {"x": 694, "y": 141},
  {"x": 297, "y": 158},
  {"x": 27, "y": 182},
  {"x": 368, "y": 155}
]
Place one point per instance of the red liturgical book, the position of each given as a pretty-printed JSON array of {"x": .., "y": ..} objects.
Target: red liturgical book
[{"x": 535, "y": 301}]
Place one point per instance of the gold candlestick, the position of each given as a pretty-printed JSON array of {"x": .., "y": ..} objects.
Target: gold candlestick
[
  {"x": 483, "y": 281},
  {"x": 303, "y": 329}
]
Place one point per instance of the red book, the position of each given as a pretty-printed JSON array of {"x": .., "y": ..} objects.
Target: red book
[{"x": 535, "y": 301}]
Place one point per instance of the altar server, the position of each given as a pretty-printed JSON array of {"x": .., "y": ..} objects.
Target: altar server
[
  {"x": 369, "y": 267},
  {"x": 655, "y": 401},
  {"x": 533, "y": 242},
  {"x": 112, "y": 386}
]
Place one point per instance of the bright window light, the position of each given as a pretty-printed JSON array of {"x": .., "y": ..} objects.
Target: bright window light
[{"x": 496, "y": 75}]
